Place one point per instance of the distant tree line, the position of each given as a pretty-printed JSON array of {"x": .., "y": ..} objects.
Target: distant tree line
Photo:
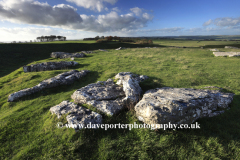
[{"x": 50, "y": 38}]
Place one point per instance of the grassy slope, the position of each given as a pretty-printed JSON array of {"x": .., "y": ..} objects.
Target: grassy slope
[{"x": 28, "y": 130}]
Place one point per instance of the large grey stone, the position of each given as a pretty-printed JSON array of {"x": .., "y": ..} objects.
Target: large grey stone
[
  {"x": 104, "y": 95},
  {"x": 61, "y": 79},
  {"x": 180, "y": 105},
  {"x": 77, "y": 116},
  {"x": 49, "y": 66},
  {"x": 67, "y": 55},
  {"x": 109, "y": 97},
  {"x": 230, "y": 54}
]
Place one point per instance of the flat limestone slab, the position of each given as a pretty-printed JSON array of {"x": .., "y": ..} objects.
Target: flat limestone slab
[
  {"x": 77, "y": 114},
  {"x": 230, "y": 54},
  {"x": 45, "y": 66},
  {"x": 65, "y": 78},
  {"x": 109, "y": 97},
  {"x": 180, "y": 105},
  {"x": 106, "y": 96}
]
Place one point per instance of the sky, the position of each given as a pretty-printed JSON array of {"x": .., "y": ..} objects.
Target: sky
[{"x": 25, "y": 20}]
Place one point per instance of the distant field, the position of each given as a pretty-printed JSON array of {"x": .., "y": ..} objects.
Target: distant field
[
  {"x": 28, "y": 130},
  {"x": 196, "y": 43}
]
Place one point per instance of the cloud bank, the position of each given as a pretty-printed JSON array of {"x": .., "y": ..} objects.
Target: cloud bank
[
  {"x": 224, "y": 22},
  {"x": 98, "y": 5},
  {"x": 66, "y": 16}
]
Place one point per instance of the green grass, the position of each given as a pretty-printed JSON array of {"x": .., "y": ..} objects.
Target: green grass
[{"x": 28, "y": 130}]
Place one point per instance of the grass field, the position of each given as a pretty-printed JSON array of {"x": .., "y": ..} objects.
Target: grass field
[{"x": 28, "y": 130}]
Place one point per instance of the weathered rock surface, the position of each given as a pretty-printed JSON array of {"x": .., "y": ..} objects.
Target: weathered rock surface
[
  {"x": 49, "y": 66},
  {"x": 86, "y": 52},
  {"x": 67, "y": 55},
  {"x": 103, "y": 50},
  {"x": 77, "y": 114},
  {"x": 109, "y": 97},
  {"x": 230, "y": 54},
  {"x": 216, "y": 50},
  {"x": 180, "y": 105},
  {"x": 231, "y": 47},
  {"x": 61, "y": 79},
  {"x": 130, "y": 84},
  {"x": 121, "y": 77},
  {"x": 103, "y": 95}
]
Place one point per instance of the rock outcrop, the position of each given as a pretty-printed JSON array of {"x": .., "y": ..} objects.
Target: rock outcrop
[
  {"x": 109, "y": 97},
  {"x": 49, "y": 66},
  {"x": 180, "y": 105},
  {"x": 230, "y": 54},
  {"x": 61, "y": 79},
  {"x": 78, "y": 117},
  {"x": 67, "y": 55}
]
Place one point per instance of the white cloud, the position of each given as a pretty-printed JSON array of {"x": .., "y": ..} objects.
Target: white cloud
[
  {"x": 66, "y": 17},
  {"x": 223, "y": 22},
  {"x": 34, "y": 12},
  {"x": 207, "y": 23},
  {"x": 115, "y": 9},
  {"x": 112, "y": 22},
  {"x": 194, "y": 29},
  {"x": 227, "y": 21},
  {"x": 93, "y": 4},
  {"x": 137, "y": 11}
]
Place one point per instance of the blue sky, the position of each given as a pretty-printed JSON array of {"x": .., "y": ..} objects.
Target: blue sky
[{"x": 76, "y": 19}]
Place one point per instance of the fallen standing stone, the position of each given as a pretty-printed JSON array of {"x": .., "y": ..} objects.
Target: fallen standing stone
[
  {"x": 230, "y": 54},
  {"x": 180, "y": 105},
  {"x": 65, "y": 78},
  {"x": 66, "y": 55},
  {"x": 78, "y": 117},
  {"x": 48, "y": 66},
  {"x": 103, "y": 50},
  {"x": 109, "y": 97}
]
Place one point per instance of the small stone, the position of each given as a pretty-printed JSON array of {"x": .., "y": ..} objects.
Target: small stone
[{"x": 78, "y": 116}]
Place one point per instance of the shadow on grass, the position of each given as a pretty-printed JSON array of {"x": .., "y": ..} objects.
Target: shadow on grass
[
  {"x": 14, "y": 56},
  {"x": 222, "y": 127},
  {"x": 222, "y": 46}
]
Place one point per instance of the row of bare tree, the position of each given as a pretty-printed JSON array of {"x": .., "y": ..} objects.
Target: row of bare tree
[{"x": 50, "y": 38}]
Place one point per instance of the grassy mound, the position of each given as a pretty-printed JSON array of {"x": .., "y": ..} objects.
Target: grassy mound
[{"x": 28, "y": 130}]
